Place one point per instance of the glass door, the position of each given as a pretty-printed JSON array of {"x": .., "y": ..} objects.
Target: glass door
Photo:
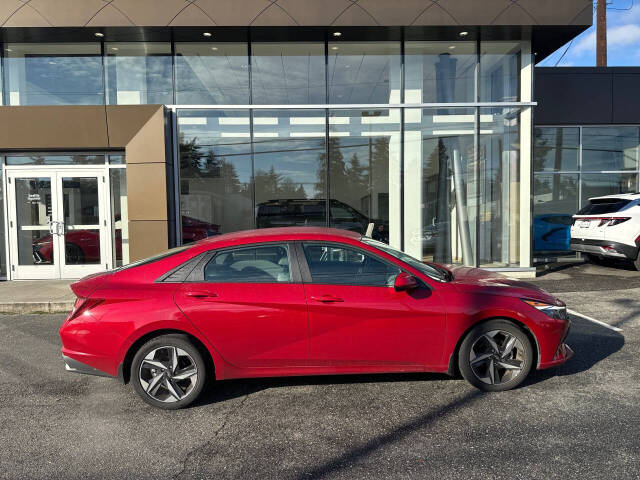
[
  {"x": 32, "y": 211},
  {"x": 57, "y": 223}
]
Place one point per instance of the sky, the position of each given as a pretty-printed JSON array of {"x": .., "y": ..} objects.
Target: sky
[{"x": 623, "y": 38}]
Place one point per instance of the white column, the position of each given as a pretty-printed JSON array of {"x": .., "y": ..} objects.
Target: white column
[{"x": 526, "y": 128}]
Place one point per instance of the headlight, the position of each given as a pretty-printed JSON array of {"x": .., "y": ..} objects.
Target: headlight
[{"x": 548, "y": 309}]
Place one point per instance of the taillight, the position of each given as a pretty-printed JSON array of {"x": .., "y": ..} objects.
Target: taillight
[
  {"x": 82, "y": 305},
  {"x": 618, "y": 220}
]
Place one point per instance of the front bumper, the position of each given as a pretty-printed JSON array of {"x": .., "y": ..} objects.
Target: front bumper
[
  {"x": 563, "y": 354},
  {"x": 72, "y": 365},
  {"x": 604, "y": 248}
]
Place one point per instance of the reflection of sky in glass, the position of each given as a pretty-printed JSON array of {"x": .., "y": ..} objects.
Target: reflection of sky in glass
[
  {"x": 212, "y": 73},
  {"x": 289, "y": 73}
]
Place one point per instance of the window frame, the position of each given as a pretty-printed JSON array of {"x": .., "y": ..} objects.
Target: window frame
[
  {"x": 306, "y": 272},
  {"x": 197, "y": 274}
]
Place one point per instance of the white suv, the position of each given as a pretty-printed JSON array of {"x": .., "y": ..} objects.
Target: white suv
[{"x": 608, "y": 227}]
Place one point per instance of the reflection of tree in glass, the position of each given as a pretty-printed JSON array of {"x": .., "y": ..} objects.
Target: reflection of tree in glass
[
  {"x": 196, "y": 164},
  {"x": 274, "y": 186}
]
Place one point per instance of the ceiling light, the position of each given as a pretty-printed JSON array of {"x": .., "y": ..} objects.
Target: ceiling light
[
  {"x": 214, "y": 48},
  {"x": 452, "y": 47},
  {"x": 337, "y": 34},
  {"x": 464, "y": 34},
  {"x": 99, "y": 34},
  {"x": 334, "y": 48},
  {"x": 9, "y": 50},
  {"x": 207, "y": 34},
  {"x": 115, "y": 49}
]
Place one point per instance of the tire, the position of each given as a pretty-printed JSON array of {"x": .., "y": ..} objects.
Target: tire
[
  {"x": 73, "y": 254},
  {"x": 636, "y": 263},
  {"x": 484, "y": 367},
  {"x": 165, "y": 381}
]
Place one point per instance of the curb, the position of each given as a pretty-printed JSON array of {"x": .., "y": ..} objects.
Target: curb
[{"x": 36, "y": 307}]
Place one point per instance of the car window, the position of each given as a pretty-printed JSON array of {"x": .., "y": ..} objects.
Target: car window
[
  {"x": 603, "y": 205},
  {"x": 263, "y": 264},
  {"x": 338, "y": 265}
]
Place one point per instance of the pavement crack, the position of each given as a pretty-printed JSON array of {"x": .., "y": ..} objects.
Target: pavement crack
[{"x": 232, "y": 411}]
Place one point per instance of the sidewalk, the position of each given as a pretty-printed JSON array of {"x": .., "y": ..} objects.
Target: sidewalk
[{"x": 36, "y": 296}]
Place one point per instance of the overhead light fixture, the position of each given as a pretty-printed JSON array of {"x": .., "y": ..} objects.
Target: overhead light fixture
[
  {"x": 99, "y": 34},
  {"x": 207, "y": 34},
  {"x": 452, "y": 47},
  {"x": 214, "y": 48},
  {"x": 115, "y": 49},
  {"x": 337, "y": 34},
  {"x": 8, "y": 50},
  {"x": 464, "y": 34},
  {"x": 334, "y": 48}
]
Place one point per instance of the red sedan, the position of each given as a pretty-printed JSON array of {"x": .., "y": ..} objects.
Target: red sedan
[{"x": 305, "y": 301}]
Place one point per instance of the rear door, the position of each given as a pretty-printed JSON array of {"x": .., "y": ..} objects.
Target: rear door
[
  {"x": 357, "y": 319},
  {"x": 249, "y": 302}
]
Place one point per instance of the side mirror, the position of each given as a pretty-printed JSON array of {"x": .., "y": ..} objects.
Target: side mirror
[{"x": 405, "y": 282}]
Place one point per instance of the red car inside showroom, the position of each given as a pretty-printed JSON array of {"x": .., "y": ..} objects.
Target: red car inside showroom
[{"x": 305, "y": 301}]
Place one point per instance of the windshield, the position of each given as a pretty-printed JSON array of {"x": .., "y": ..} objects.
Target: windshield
[{"x": 433, "y": 271}]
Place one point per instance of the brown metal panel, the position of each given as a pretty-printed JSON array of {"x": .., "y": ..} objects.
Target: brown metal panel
[
  {"x": 435, "y": 15},
  {"x": 7, "y": 8},
  {"x": 389, "y": 13},
  {"x": 146, "y": 191},
  {"x": 477, "y": 13},
  {"x": 50, "y": 127},
  {"x": 355, "y": 15},
  {"x": 274, "y": 15},
  {"x": 147, "y": 238},
  {"x": 110, "y": 16},
  {"x": 316, "y": 13},
  {"x": 62, "y": 13},
  {"x": 193, "y": 15},
  {"x": 125, "y": 121},
  {"x": 550, "y": 12},
  {"x": 151, "y": 12},
  {"x": 26, "y": 16}
]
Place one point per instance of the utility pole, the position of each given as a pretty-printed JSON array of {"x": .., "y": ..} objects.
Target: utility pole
[{"x": 601, "y": 33}]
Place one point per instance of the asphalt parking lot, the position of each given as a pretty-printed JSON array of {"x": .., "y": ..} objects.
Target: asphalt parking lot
[{"x": 578, "y": 421}]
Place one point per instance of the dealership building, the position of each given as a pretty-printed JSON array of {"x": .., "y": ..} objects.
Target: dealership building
[{"x": 131, "y": 126}]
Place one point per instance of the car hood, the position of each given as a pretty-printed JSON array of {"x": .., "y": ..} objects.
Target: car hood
[{"x": 477, "y": 280}]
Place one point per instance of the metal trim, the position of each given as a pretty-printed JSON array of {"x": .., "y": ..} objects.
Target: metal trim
[{"x": 352, "y": 106}]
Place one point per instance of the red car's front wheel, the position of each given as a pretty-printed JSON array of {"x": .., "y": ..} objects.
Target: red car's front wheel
[
  {"x": 168, "y": 372},
  {"x": 495, "y": 356}
]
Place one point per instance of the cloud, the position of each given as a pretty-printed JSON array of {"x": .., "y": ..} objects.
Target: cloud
[{"x": 619, "y": 36}]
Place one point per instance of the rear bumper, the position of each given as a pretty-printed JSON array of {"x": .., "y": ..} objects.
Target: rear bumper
[
  {"x": 604, "y": 248},
  {"x": 72, "y": 365}
]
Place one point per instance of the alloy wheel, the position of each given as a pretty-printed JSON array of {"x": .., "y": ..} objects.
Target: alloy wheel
[
  {"x": 497, "y": 357},
  {"x": 168, "y": 374}
]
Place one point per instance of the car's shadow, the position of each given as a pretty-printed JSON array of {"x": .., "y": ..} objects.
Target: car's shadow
[{"x": 591, "y": 343}]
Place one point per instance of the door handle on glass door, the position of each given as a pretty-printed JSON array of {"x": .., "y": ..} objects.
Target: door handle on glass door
[
  {"x": 200, "y": 294},
  {"x": 327, "y": 299}
]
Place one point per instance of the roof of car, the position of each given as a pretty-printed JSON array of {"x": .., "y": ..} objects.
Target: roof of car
[
  {"x": 624, "y": 196},
  {"x": 277, "y": 234}
]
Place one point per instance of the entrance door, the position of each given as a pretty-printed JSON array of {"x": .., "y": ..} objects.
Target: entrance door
[{"x": 57, "y": 223}]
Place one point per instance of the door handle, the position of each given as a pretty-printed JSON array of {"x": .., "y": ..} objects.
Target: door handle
[
  {"x": 327, "y": 299},
  {"x": 200, "y": 294}
]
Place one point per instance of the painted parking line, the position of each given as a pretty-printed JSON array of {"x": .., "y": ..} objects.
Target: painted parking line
[{"x": 606, "y": 325}]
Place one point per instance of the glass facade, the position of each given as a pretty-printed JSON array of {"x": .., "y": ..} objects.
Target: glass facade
[
  {"x": 440, "y": 183},
  {"x": 571, "y": 165}
]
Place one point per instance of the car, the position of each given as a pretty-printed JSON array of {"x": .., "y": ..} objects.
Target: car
[
  {"x": 305, "y": 301},
  {"x": 608, "y": 228},
  {"x": 194, "y": 229},
  {"x": 551, "y": 233}
]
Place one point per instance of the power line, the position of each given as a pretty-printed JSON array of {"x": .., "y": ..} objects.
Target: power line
[{"x": 565, "y": 52}]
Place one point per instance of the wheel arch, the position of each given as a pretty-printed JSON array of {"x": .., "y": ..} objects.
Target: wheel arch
[
  {"x": 124, "y": 369},
  {"x": 453, "y": 368}
]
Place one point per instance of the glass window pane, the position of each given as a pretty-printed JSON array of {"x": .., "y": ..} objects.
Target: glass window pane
[
  {"x": 555, "y": 201},
  {"x": 33, "y": 215},
  {"x": 216, "y": 191},
  {"x": 332, "y": 265},
  {"x": 3, "y": 260},
  {"x": 600, "y": 184},
  {"x": 288, "y": 73},
  {"x": 80, "y": 207},
  {"x": 439, "y": 184},
  {"x": 499, "y": 189},
  {"x": 499, "y": 71},
  {"x": 364, "y": 72},
  {"x": 290, "y": 163},
  {"x": 72, "y": 159},
  {"x": 555, "y": 149},
  {"x": 364, "y": 160},
  {"x": 440, "y": 72},
  {"x": 138, "y": 73},
  {"x": 119, "y": 216},
  {"x": 610, "y": 148},
  {"x": 265, "y": 264},
  {"x": 54, "y": 74},
  {"x": 212, "y": 73},
  {"x": 117, "y": 159}
]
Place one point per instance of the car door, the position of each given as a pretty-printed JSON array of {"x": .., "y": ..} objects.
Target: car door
[
  {"x": 249, "y": 303},
  {"x": 357, "y": 318}
]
